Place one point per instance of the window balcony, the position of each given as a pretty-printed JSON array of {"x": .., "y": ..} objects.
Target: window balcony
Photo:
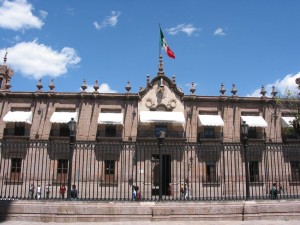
[
  {"x": 109, "y": 135},
  {"x": 16, "y": 132},
  {"x": 154, "y": 134},
  {"x": 208, "y": 136},
  {"x": 259, "y": 136}
]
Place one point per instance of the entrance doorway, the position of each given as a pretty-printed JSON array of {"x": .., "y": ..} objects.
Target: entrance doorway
[{"x": 166, "y": 174}]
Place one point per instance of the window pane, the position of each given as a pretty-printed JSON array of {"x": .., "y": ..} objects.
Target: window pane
[
  {"x": 159, "y": 128},
  {"x": 295, "y": 170},
  {"x": 110, "y": 131},
  {"x": 254, "y": 171},
  {"x": 16, "y": 165}
]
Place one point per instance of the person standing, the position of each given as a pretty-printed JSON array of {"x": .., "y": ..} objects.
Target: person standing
[
  {"x": 48, "y": 187},
  {"x": 273, "y": 191},
  {"x": 31, "y": 191},
  {"x": 133, "y": 193},
  {"x": 138, "y": 193},
  {"x": 62, "y": 191},
  {"x": 39, "y": 192},
  {"x": 74, "y": 192}
]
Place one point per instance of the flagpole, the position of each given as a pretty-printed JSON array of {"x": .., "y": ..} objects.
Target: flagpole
[{"x": 159, "y": 43}]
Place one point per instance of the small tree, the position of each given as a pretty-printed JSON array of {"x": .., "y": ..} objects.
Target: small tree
[{"x": 291, "y": 101}]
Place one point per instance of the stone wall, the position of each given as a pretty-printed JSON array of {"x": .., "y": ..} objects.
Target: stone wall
[{"x": 76, "y": 211}]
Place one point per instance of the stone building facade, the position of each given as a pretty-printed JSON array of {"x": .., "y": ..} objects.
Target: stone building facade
[{"x": 117, "y": 134}]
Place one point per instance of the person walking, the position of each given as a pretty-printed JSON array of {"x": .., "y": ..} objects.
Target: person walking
[{"x": 39, "y": 192}]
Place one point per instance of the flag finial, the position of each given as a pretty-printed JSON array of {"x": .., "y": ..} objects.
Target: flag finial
[{"x": 161, "y": 72}]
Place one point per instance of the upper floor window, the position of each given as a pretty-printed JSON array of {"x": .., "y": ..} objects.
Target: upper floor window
[
  {"x": 19, "y": 129},
  {"x": 209, "y": 132},
  {"x": 252, "y": 133},
  {"x": 64, "y": 130},
  {"x": 295, "y": 171},
  {"x": 110, "y": 130},
  {"x": 160, "y": 128}
]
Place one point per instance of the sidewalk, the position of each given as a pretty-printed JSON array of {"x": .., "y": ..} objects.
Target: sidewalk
[
  {"x": 256, "y": 222},
  {"x": 150, "y": 213}
]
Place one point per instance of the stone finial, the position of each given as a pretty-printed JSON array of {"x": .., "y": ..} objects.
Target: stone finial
[
  {"x": 148, "y": 79},
  {"x": 128, "y": 87},
  {"x": 234, "y": 90},
  {"x": 181, "y": 90},
  {"x": 263, "y": 91},
  {"x": 274, "y": 92},
  {"x": 7, "y": 85},
  {"x": 5, "y": 57},
  {"x": 51, "y": 85},
  {"x": 96, "y": 86},
  {"x": 173, "y": 79},
  {"x": 141, "y": 88},
  {"x": 222, "y": 90},
  {"x": 160, "y": 67},
  {"x": 84, "y": 86},
  {"x": 39, "y": 85},
  {"x": 193, "y": 89}
]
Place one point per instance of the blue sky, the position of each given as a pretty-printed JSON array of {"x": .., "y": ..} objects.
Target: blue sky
[{"x": 246, "y": 43}]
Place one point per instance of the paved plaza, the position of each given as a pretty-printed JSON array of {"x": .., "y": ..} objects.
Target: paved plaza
[{"x": 256, "y": 222}]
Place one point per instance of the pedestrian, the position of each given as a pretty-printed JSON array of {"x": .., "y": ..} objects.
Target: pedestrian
[
  {"x": 74, "y": 192},
  {"x": 39, "y": 192},
  {"x": 133, "y": 193},
  {"x": 31, "y": 191},
  {"x": 138, "y": 193},
  {"x": 62, "y": 191},
  {"x": 170, "y": 191},
  {"x": 273, "y": 191},
  {"x": 48, "y": 188},
  {"x": 182, "y": 191},
  {"x": 186, "y": 191}
]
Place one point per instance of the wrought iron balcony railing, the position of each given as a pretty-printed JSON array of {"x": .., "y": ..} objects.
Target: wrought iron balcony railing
[
  {"x": 168, "y": 134},
  {"x": 210, "y": 136}
]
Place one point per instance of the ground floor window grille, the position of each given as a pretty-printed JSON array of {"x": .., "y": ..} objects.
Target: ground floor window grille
[
  {"x": 254, "y": 171},
  {"x": 295, "y": 171},
  {"x": 16, "y": 164},
  {"x": 62, "y": 170},
  {"x": 109, "y": 171}
]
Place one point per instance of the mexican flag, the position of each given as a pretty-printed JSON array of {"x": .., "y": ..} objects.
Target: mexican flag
[{"x": 164, "y": 45}]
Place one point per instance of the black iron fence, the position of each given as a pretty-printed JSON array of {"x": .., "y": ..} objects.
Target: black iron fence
[{"x": 168, "y": 172}]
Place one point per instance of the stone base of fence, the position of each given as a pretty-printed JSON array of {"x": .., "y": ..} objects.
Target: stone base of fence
[{"x": 77, "y": 211}]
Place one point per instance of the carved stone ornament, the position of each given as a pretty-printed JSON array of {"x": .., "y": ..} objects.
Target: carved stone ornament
[
  {"x": 149, "y": 102},
  {"x": 172, "y": 103}
]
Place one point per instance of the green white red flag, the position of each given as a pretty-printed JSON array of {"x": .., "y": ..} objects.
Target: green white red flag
[{"x": 165, "y": 46}]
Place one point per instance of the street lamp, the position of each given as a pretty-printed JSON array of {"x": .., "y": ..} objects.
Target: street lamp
[
  {"x": 161, "y": 137},
  {"x": 245, "y": 129},
  {"x": 72, "y": 128}
]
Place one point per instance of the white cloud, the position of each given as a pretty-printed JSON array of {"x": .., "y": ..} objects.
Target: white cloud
[
  {"x": 17, "y": 15},
  {"x": 287, "y": 83},
  {"x": 43, "y": 14},
  {"x": 103, "y": 88},
  {"x": 71, "y": 11},
  {"x": 189, "y": 29},
  {"x": 111, "y": 20},
  {"x": 219, "y": 32},
  {"x": 36, "y": 60}
]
